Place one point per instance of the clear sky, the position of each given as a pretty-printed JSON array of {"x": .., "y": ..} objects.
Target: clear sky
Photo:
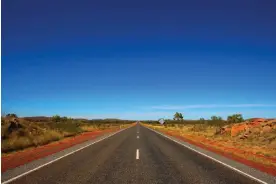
[{"x": 139, "y": 59}]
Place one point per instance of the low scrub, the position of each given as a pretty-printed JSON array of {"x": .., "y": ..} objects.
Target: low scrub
[
  {"x": 199, "y": 127},
  {"x": 21, "y": 133},
  {"x": 21, "y": 142}
]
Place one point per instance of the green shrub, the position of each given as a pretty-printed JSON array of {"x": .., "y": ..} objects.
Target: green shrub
[
  {"x": 11, "y": 116},
  {"x": 235, "y": 118},
  {"x": 56, "y": 118}
]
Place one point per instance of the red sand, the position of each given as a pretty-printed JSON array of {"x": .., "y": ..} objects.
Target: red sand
[
  {"x": 22, "y": 157},
  {"x": 270, "y": 170}
]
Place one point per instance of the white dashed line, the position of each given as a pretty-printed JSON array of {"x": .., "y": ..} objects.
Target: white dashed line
[
  {"x": 137, "y": 154},
  {"x": 137, "y": 136}
]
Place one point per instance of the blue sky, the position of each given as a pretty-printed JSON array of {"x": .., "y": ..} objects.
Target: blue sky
[{"x": 139, "y": 60}]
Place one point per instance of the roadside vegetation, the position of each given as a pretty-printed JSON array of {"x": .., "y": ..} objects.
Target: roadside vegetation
[
  {"x": 252, "y": 139},
  {"x": 20, "y": 133}
]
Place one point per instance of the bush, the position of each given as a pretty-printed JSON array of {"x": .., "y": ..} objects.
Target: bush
[
  {"x": 56, "y": 118},
  {"x": 11, "y": 116},
  {"x": 235, "y": 118},
  {"x": 216, "y": 118}
]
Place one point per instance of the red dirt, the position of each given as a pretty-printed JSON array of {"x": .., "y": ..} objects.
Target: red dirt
[
  {"x": 238, "y": 128},
  {"x": 267, "y": 169},
  {"x": 236, "y": 150},
  {"x": 22, "y": 157}
]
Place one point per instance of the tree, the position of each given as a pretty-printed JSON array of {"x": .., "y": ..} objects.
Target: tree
[
  {"x": 214, "y": 118},
  {"x": 202, "y": 120},
  {"x": 11, "y": 115},
  {"x": 56, "y": 118},
  {"x": 178, "y": 116},
  {"x": 235, "y": 118},
  {"x": 219, "y": 118}
]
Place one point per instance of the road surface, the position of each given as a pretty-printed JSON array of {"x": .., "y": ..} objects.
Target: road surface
[{"x": 135, "y": 155}]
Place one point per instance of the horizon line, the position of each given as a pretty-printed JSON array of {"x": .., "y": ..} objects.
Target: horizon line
[{"x": 208, "y": 106}]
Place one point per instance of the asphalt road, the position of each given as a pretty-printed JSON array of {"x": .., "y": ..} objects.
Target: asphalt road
[{"x": 135, "y": 155}]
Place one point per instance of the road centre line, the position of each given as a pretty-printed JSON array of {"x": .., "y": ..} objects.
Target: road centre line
[{"x": 137, "y": 154}]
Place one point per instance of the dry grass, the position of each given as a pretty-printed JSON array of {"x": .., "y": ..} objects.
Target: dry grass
[
  {"x": 89, "y": 128},
  {"x": 16, "y": 142},
  {"x": 31, "y": 134}
]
